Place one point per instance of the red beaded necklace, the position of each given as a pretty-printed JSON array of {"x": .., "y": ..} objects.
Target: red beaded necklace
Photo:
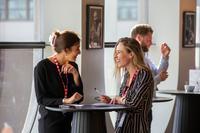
[
  {"x": 59, "y": 71},
  {"x": 126, "y": 88}
]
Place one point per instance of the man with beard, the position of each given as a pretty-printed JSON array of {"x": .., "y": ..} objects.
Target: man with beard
[{"x": 143, "y": 34}]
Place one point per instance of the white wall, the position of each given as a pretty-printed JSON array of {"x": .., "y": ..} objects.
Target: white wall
[
  {"x": 164, "y": 18},
  {"x": 61, "y": 15},
  {"x": 16, "y": 31}
]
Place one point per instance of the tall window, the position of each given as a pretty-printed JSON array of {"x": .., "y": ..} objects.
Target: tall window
[{"x": 16, "y": 10}]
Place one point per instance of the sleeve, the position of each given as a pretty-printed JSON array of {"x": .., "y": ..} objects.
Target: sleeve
[
  {"x": 163, "y": 65},
  {"x": 42, "y": 95},
  {"x": 80, "y": 87},
  {"x": 142, "y": 88},
  {"x": 157, "y": 80},
  {"x": 80, "y": 90}
]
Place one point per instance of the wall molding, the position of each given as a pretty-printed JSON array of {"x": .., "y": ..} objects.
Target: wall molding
[{"x": 16, "y": 45}]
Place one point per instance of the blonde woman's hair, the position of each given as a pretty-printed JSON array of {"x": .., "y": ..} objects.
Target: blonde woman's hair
[{"x": 131, "y": 45}]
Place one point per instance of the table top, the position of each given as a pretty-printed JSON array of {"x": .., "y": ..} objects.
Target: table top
[
  {"x": 88, "y": 107},
  {"x": 161, "y": 99},
  {"x": 178, "y": 92}
]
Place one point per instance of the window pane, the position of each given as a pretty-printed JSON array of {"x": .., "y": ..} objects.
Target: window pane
[
  {"x": 2, "y": 4},
  {"x": 17, "y": 9},
  {"x": 31, "y": 9},
  {"x": 2, "y": 14},
  {"x": 2, "y": 9},
  {"x": 121, "y": 16},
  {"x": 127, "y": 10},
  {"x": 17, "y": 14},
  {"x": 17, "y": 4}
]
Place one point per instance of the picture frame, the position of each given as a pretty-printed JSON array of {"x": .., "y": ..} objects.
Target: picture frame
[
  {"x": 94, "y": 27},
  {"x": 189, "y": 29}
]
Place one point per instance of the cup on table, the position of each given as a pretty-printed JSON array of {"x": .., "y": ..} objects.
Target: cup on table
[{"x": 189, "y": 88}]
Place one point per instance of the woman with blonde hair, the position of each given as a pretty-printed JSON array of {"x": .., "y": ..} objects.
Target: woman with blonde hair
[{"x": 136, "y": 91}]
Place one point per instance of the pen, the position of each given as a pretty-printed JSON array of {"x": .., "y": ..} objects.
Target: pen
[{"x": 98, "y": 91}]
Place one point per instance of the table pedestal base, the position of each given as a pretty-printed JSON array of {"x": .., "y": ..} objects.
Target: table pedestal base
[
  {"x": 89, "y": 122},
  {"x": 187, "y": 114}
]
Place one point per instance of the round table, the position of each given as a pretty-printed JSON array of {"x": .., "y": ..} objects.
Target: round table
[
  {"x": 88, "y": 118},
  {"x": 187, "y": 111},
  {"x": 161, "y": 99}
]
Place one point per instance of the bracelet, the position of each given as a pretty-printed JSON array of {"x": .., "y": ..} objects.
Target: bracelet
[{"x": 63, "y": 100}]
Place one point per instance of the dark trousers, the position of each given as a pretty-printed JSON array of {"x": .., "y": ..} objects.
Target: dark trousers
[{"x": 55, "y": 122}]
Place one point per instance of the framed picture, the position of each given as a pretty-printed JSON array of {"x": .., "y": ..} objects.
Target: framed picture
[
  {"x": 94, "y": 28},
  {"x": 189, "y": 29}
]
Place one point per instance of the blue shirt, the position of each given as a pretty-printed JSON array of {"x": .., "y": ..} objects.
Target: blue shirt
[{"x": 162, "y": 66}]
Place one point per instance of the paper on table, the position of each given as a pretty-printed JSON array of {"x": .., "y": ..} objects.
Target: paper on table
[
  {"x": 102, "y": 104},
  {"x": 71, "y": 105}
]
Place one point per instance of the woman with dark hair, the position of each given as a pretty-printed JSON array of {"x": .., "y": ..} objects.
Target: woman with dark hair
[
  {"x": 57, "y": 81},
  {"x": 136, "y": 90}
]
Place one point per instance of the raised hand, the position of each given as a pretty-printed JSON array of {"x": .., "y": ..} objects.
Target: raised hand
[
  {"x": 165, "y": 50},
  {"x": 68, "y": 68}
]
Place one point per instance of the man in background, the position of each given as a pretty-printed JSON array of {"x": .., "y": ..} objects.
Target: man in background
[{"x": 143, "y": 34}]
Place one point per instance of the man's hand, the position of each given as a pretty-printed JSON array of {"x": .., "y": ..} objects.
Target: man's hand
[
  {"x": 163, "y": 75},
  {"x": 165, "y": 50}
]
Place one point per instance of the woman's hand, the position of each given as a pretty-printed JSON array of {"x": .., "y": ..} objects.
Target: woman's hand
[
  {"x": 117, "y": 100},
  {"x": 68, "y": 68},
  {"x": 105, "y": 99},
  {"x": 74, "y": 98}
]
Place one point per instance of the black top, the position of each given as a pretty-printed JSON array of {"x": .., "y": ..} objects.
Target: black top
[
  {"x": 50, "y": 92},
  {"x": 48, "y": 85}
]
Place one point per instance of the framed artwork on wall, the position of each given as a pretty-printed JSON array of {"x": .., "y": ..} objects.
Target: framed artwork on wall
[
  {"x": 94, "y": 27},
  {"x": 189, "y": 29}
]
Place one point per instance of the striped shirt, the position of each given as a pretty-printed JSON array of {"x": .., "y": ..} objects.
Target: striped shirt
[{"x": 139, "y": 99}]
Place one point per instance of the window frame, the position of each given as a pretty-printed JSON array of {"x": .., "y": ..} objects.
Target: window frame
[{"x": 27, "y": 9}]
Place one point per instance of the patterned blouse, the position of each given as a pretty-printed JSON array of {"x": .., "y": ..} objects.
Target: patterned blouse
[{"x": 139, "y": 99}]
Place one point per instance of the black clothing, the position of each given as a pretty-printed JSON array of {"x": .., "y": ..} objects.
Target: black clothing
[{"x": 50, "y": 92}]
